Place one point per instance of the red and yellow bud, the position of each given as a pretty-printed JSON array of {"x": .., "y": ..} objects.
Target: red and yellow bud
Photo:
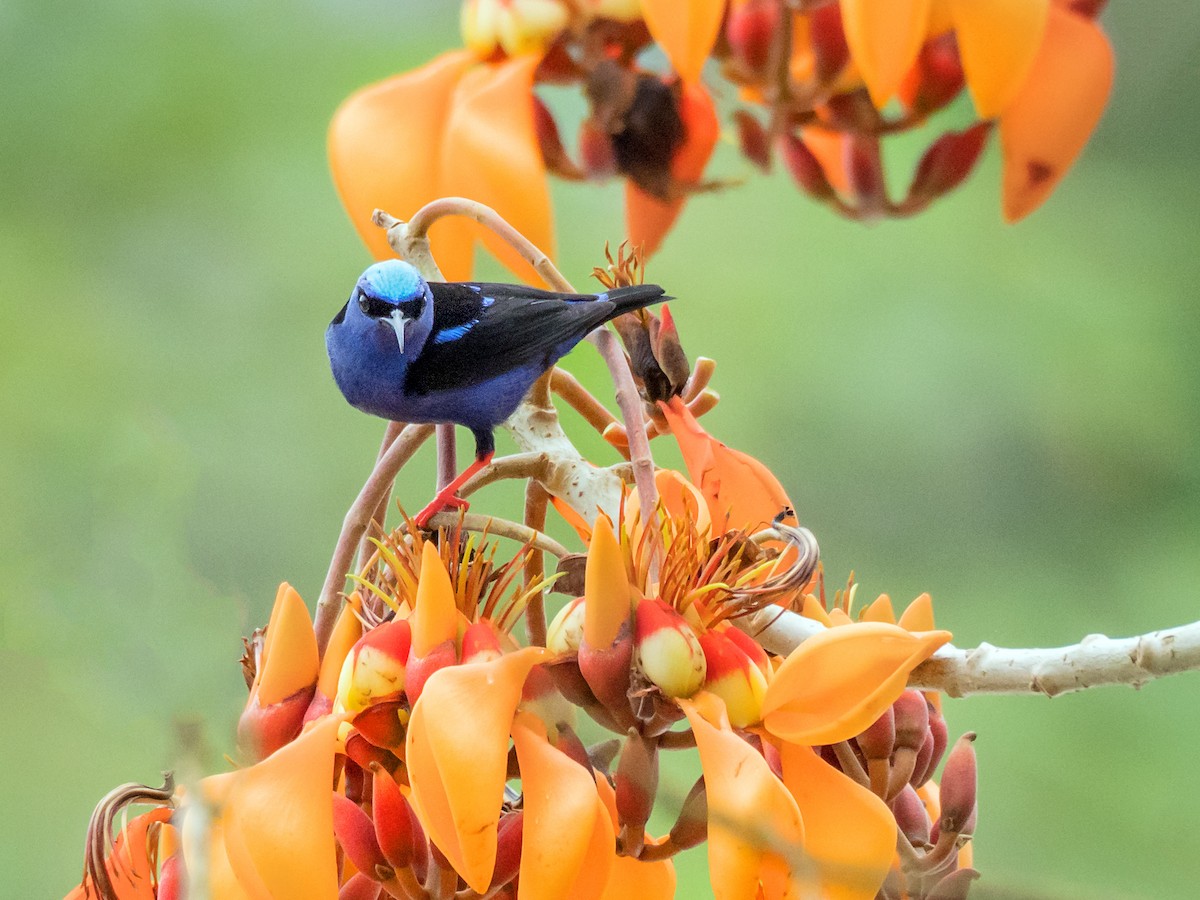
[
  {"x": 376, "y": 668},
  {"x": 565, "y": 633},
  {"x": 480, "y": 642},
  {"x": 668, "y": 652},
  {"x": 346, "y": 632},
  {"x": 733, "y": 676},
  {"x": 512, "y": 26},
  {"x": 284, "y": 681}
]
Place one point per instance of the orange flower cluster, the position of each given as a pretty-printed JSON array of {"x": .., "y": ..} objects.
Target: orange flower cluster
[
  {"x": 820, "y": 84},
  {"x": 428, "y": 753}
]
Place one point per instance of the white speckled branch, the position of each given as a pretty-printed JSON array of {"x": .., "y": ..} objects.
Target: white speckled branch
[{"x": 1094, "y": 661}]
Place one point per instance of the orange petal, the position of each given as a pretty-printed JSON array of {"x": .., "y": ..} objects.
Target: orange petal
[
  {"x": 686, "y": 30},
  {"x": 836, "y": 683},
  {"x": 567, "y": 845},
  {"x": 1045, "y": 127},
  {"x": 849, "y": 832},
  {"x": 346, "y": 632},
  {"x": 290, "y": 661},
  {"x": 919, "y": 615},
  {"x": 741, "y": 491},
  {"x": 385, "y": 143},
  {"x": 279, "y": 811},
  {"x": 574, "y": 519},
  {"x": 681, "y": 499},
  {"x": 648, "y": 219},
  {"x": 998, "y": 40},
  {"x": 813, "y": 609},
  {"x": 879, "y": 611},
  {"x": 884, "y": 37},
  {"x": 435, "y": 614},
  {"x": 605, "y": 589},
  {"x": 491, "y": 154},
  {"x": 744, "y": 799},
  {"x": 457, "y": 753},
  {"x": 827, "y": 146},
  {"x": 644, "y": 880}
]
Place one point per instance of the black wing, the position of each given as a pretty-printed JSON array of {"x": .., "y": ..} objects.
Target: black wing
[{"x": 483, "y": 330}]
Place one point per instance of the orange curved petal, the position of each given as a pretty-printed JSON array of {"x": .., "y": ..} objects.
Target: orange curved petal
[
  {"x": 919, "y": 615},
  {"x": 346, "y": 632},
  {"x": 491, "y": 154},
  {"x": 744, "y": 797},
  {"x": 1046, "y": 126},
  {"x": 435, "y": 614},
  {"x": 998, "y": 40},
  {"x": 686, "y": 30},
  {"x": 813, "y": 609},
  {"x": 836, "y": 683},
  {"x": 741, "y": 491},
  {"x": 128, "y": 864},
  {"x": 827, "y": 146},
  {"x": 884, "y": 37},
  {"x": 279, "y": 811},
  {"x": 879, "y": 611},
  {"x": 457, "y": 751},
  {"x": 849, "y": 832},
  {"x": 605, "y": 588},
  {"x": 385, "y": 142},
  {"x": 648, "y": 219},
  {"x": 644, "y": 880},
  {"x": 290, "y": 661},
  {"x": 567, "y": 845}
]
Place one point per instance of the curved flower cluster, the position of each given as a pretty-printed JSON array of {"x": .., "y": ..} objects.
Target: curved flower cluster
[
  {"x": 428, "y": 753},
  {"x": 819, "y": 84}
]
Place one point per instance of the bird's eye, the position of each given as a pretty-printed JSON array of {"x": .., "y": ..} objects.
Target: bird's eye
[
  {"x": 364, "y": 304},
  {"x": 374, "y": 307}
]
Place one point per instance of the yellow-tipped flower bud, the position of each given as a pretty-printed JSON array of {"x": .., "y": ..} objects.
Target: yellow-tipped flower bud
[
  {"x": 733, "y": 676},
  {"x": 668, "y": 651},
  {"x": 376, "y": 668},
  {"x": 565, "y": 633}
]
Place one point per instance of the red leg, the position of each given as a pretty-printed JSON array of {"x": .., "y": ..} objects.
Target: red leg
[{"x": 447, "y": 496}]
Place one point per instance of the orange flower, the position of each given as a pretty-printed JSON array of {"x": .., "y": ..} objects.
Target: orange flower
[
  {"x": 1050, "y": 119},
  {"x": 567, "y": 848},
  {"x": 457, "y": 752},
  {"x": 752, "y": 819},
  {"x": 130, "y": 866},
  {"x": 686, "y": 30},
  {"x": 741, "y": 492},
  {"x": 451, "y": 128},
  {"x": 837, "y": 683},
  {"x": 647, "y": 218}
]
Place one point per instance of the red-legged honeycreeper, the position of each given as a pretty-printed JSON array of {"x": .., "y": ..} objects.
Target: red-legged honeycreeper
[{"x": 413, "y": 351}]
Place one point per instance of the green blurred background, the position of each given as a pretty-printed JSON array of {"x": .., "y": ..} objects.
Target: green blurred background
[{"x": 1005, "y": 417}]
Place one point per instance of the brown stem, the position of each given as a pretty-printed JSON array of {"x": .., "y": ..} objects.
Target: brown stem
[
  {"x": 403, "y": 885},
  {"x": 581, "y": 400},
  {"x": 379, "y": 516},
  {"x": 536, "y": 500},
  {"x": 500, "y": 528},
  {"x": 519, "y": 465},
  {"x": 677, "y": 740},
  {"x": 664, "y": 849},
  {"x": 850, "y": 764},
  {"x": 355, "y": 525}
]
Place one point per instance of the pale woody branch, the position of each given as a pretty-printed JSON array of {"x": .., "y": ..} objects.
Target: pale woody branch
[{"x": 1094, "y": 661}]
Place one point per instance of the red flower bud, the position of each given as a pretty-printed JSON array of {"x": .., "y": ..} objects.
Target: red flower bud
[
  {"x": 636, "y": 787},
  {"x": 691, "y": 828},
  {"x": 355, "y": 833},
  {"x": 954, "y": 886},
  {"x": 732, "y": 676},
  {"x": 509, "y": 835},
  {"x": 750, "y": 29},
  {"x": 948, "y": 162},
  {"x": 394, "y": 820},
  {"x": 360, "y": 887},
  {"x": 172, "y": 878},
  {"x": 421, "y": 667},
  {"x": 912, "y": 719},
  {"x": 828, "y": 40},
  {"x": 383, "y": 724},
  {"x": 805, "y": 169},
  {"x": 876, "y": 744},
  {"x": 753, "y": 140},
  {"x": 940, "y": 736},
  {"x": 936, "y": 77},
  {"x": 959, "y": 786},
  {"x": 262, "y": 730},
  {"x": 376, "y": 667},
  {"x": 596, "y": 151},
  {"x": 863, "y": 162},
  {"x": 479, "y": 643},
  {"x": 911, "y": 817}
]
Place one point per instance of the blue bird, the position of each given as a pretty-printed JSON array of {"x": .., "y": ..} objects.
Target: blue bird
[{"x": 412, "y": 351}]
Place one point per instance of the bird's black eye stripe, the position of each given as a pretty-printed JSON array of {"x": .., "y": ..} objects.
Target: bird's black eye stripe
[
  {"x": 374, "y": 307},
  {"x": 412, "y": 309}
]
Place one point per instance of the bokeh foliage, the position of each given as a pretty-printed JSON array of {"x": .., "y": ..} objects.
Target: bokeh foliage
[{"x": 1004, "y": 417}]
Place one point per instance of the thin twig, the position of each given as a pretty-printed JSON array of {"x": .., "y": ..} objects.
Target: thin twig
[
  {"x": 379, "y": 516},
  {"x": 536, "y": 500},
  {"x": 500, "y": 528},
  {"x": 355, "y": 525},
  {"x": 581, "y": 400},
  {"x": 447, "y": 456},
  {"x": 519, "y": 465}
]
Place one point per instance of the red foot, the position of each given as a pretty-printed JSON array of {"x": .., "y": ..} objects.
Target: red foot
[{"x": 448, "y": 497}]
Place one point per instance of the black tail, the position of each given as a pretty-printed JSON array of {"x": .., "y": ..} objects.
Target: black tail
[{"x": 628, "y": 299}]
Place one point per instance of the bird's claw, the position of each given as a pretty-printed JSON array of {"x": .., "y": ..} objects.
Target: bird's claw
[{"x": 439, "y": 503}]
